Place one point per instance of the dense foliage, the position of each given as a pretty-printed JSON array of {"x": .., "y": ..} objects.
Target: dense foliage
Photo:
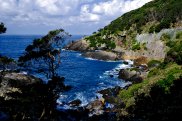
[
  {"x": 2, "y": 28},
  {"x": 103, "y": 39},
  {"x": 162, "y": 11},
  {"x": 175, "y": 52},
  {"x": 43, "y": 55},
  {"x": 6, "y": 62},
  {"x": 36, "y": 101},
  {"x": 161, "y": 89},
  {"x": 152, "y": 17}
]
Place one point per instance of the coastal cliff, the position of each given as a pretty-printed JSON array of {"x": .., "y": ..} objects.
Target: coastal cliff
[{"x": 152, "y": 37}]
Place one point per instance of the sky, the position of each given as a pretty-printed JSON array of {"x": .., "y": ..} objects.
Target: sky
[{"x": 78, "y": 17}]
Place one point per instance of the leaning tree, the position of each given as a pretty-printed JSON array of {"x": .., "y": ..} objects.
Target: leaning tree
[{"x": 43, "y": 55}]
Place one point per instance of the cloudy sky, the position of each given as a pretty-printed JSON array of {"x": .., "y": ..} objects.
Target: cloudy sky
[{"x": 75, "y": 16}]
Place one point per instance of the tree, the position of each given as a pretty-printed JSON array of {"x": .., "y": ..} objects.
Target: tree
[
  {"x": 6, "y": 62},
  {"x": 2, "y": 28},
  {"x": 43, "y": 55}
]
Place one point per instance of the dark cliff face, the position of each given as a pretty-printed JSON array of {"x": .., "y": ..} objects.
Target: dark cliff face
[{"x": 24, "y": 97}]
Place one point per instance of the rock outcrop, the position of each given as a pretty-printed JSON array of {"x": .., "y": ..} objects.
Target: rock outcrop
[
  {"x": 24, "y": 97},
  {"x": 80, "y": 45},
  {"x": 101, "y": 55},
  {"x": 11, "y": 82},
  {"x": 131, "y": 75}
]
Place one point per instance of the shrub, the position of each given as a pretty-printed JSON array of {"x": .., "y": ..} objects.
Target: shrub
[
  {"x": 175, "y": 53},
  {"x": 166, "y": 83},
  {"x": 179, "y": 35},
  {"x": 153, "y": 63},
  {"x": 165, "y": 37},
  {"x": 136, "y": 46},
  {"x": 152, "y": 29},
  {"x": 153, "y": 72}
]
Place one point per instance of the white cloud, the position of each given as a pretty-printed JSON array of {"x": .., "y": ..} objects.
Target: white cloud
[
  {"x": 64, "y": 13},
  {"x": 115, "y": 7}
]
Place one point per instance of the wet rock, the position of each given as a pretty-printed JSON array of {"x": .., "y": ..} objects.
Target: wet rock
[
  {"x": 110, "y": 94},
  {"x": 76, "y": 102},
  {"x": 111, "y": 76},
  {"x": 125, "y": 62},
  {"x": 110, "y": 91},
  {"x": 95, "y": 108}
]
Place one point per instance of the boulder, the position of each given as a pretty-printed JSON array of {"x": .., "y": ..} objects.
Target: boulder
[
  {"x": 11, "y": 82},
  {"x": 140, "y": 61},
  {"x": 15, "y": 79},
  {"x": 130, "y": 75},
  {"x": 95, "y": 108},
  {"x": 126, "y": 74},
  {"x": 110, "y": 91},
  {"x": 80, "y": 45},
  {"x": 101, "y": 55},
  {"x": 76, "y": 102}
]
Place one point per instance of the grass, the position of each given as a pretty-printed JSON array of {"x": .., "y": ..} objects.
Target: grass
[{"x": 162, "y": 77}]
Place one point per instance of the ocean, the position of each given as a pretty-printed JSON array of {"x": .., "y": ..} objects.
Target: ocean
[{"x": 86, "y": 76}]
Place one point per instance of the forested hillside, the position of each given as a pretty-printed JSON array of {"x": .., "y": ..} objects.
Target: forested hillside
[{"x": 152, "y": 17}]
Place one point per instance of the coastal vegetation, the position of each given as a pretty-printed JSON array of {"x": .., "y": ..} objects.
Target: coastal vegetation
[
  {"x": 160, "y": 84},
  {"x": 25, "y": 97},
  {"x": 155, "y": 92},
  {"x": 152, "y": 17},
  {"x": 43, "y": 55},
  {"x": 2, "y": 28}
]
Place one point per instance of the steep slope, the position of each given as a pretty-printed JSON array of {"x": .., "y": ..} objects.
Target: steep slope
[
  {"x": 163, "y": 12},
  {"x": 126, "y": 34}
]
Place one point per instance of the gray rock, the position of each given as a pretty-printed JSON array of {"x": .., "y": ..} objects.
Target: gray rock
[
  {"x": 76, "y": 102},
  {"x": 130, "y": 75},
  {"x": 95, "y": 108},
  {"x": 12, "y": 82},
  {"x": 81, "y": 45},
  {"x": 101, "y": 55}
]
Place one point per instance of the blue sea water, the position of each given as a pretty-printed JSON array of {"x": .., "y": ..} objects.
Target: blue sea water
[{"x": 86, "y": 76}]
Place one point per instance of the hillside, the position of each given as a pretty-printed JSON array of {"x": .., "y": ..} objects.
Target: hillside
[
  {"x": 151, "y": 35},
  {"x": 149, "y": 22},
  {"x": 159, "y": 13}
]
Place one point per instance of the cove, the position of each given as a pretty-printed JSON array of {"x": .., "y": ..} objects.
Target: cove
[{"x": 86, "y": 76}]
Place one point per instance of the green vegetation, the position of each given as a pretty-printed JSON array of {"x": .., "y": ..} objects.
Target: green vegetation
[
  {"x": 152, "y": 17},
  {"x": 136, "y": 47},
  {"x": 165, "y": 12},
  {"x": 175, "y": 52},
  {"x": 5, "y": 62},
  {"x": 158, "y": 86},
  {"x": 157, "y": 76},
  {"x": 43, "y": 55},
  {"x": 179, "y": 35},
  {"x": 103, "y": 39},
  {"x": 165, "y": 37},
  {"x": 153, "y": 63}
]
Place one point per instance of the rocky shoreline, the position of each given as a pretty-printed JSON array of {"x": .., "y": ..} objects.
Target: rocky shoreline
[
  {"x": 109, "y": 102},
  {"x": 104, "y": 107}
]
